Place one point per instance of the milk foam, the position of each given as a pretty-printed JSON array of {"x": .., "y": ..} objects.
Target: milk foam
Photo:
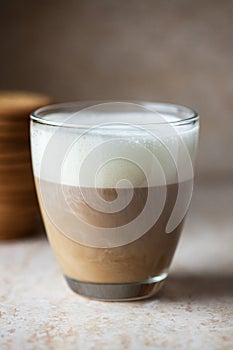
[{"x": 105, "y": 155}]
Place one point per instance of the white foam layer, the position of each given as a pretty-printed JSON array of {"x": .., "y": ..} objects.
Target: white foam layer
[{"x": 105, "y": 155}]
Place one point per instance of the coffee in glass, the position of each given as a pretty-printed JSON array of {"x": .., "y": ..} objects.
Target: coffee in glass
[{"x": 114, "y": 182}]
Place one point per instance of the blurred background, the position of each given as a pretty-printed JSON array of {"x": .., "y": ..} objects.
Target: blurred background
[{"x": 175, "y": 51}]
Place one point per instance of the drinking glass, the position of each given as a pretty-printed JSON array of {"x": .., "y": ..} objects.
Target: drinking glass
[{"x": 114, "y": 182}]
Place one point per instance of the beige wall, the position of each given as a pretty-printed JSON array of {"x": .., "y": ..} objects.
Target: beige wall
[{"x": 178, "y": 51}]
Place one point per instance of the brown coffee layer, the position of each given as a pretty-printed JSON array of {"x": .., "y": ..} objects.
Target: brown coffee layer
[{"x": 146, "y": 257}]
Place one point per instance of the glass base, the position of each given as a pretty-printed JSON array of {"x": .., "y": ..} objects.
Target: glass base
[{"x": 118, "y": 291}]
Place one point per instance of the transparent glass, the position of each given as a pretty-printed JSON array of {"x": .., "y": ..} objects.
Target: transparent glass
[{"x": 114, "y": 182}]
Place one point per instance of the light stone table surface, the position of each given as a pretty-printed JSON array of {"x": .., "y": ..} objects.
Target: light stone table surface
[{"x": 194, "y": 310}]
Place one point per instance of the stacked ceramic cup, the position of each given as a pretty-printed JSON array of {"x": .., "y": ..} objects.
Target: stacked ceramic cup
[{"x": 18, "y": 204}]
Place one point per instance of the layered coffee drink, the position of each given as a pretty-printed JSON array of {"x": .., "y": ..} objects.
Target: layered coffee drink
[{"x": 114, "y": 198}]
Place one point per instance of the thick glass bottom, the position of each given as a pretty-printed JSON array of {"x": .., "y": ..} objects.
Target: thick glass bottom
[{"x": 118, "y": 291}]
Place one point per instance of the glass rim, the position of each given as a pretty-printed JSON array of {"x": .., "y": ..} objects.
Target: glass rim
[{"x": 165, "y": 107}]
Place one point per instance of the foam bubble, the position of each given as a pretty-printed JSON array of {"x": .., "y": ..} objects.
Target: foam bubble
[{"x": 104, "y": 155}]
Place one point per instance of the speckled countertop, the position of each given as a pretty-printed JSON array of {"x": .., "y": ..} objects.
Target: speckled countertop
[{"x": 194, "y": 310}]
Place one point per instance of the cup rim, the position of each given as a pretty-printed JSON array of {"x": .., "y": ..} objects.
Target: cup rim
[{"x": 187, "y": 115}]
